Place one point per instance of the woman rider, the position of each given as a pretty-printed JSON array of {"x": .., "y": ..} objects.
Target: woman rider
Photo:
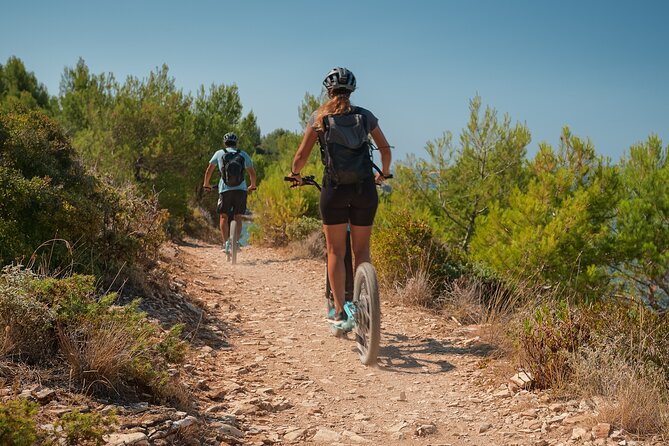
[{"x": 343, "y": 204}]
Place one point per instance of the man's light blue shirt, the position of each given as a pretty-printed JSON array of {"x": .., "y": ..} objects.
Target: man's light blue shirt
[{"x": 217, "y": 159}]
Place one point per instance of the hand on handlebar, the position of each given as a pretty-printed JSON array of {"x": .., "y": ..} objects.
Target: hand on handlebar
[
  {"x": 296, "y": 180},
  {"x": 208, "y": 188},
  {"x": 380, "y": 178}
]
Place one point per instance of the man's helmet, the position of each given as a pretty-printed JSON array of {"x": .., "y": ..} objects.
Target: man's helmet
[
  {"x": 340, "y": 78},
  {"x": 230, "y": 137}
]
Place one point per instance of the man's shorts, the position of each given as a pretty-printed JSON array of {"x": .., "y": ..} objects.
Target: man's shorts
[{"x": 232, "y": 202}]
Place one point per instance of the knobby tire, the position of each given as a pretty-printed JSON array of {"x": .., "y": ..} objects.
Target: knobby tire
[{"x": 368, "y": 314}]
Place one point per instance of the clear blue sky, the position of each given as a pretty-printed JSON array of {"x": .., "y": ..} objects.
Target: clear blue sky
[{"x": 600, "y": 67}]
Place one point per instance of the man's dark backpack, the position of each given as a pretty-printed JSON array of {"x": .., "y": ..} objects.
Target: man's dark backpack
[
  {"x": 345, "y": 148},
  {"x": 233, "y": 168}
]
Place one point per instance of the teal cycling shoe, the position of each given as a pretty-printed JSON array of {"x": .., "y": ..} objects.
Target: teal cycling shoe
[{"x": 337, "y": 318}]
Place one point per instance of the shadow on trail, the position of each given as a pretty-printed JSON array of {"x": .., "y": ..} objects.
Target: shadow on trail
[
  {"x": 191, "y": 243},
  {"x": 266, "y": 261},
  {"x": 400, "y": 353},
  {"x": 169, "y": 305}
]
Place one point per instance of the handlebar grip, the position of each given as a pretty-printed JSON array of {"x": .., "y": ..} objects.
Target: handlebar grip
[
  {"x": 387, "y": 177},
  {"x": 289, "y": 179}
]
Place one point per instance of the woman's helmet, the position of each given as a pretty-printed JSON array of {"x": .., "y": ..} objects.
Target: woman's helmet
[
  {"x": 340, "y": 78},
  {"x": 229, "y": 137}
]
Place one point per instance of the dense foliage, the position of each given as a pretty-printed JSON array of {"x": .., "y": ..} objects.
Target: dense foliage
[
  {"x": 20, "y": 87},
  {"x": 566, "y": 219},
  {"x": 52, "y": 211}
]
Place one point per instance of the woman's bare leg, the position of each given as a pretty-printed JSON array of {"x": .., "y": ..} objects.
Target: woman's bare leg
[
  {"x": 360, "y": 242},
  {"x": 335, "y": 238}
]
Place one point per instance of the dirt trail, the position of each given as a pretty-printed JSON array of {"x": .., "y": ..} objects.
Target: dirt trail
[{"x": 284, "y": 379}]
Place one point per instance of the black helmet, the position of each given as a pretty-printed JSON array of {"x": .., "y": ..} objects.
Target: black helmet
[
  {"x": 340, "y": 78},
  {"x": 229, "y": 137}
]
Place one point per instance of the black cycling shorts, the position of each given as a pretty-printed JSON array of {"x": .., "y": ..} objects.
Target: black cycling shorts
[
  {"x": 232, "y": 202},
  {"x": 349, "y": 203}
]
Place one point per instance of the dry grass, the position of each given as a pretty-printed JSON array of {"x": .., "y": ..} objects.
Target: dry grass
[
  {"x": 636, "y": 396},
  {"x": 473, "y": 301},
  {"x": 99, "y": 355},
  {"x": 492, "y": 306},
  {"x": 418, "y": 290},
  {"x": 312, "y": 247},
  {"x": 464, "y": 300},
  {"x": 6, "y": 342}
]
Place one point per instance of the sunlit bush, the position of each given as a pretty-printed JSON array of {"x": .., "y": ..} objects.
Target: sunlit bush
[
  {"x": 276, "y": 208},
  {"x": 403, "y": 245}
]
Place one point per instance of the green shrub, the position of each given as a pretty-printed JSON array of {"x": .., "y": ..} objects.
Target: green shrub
[
  {"x": 550, "y": 335},
  {"x": 26, "y": 324},
  {"x": 641, "y": 236},
  {"x": 558, "y": 229},
  {"x": 17, "y": 423},
  {"x": 403, "y": 245},
  {"x": 276, "y": 208},
  {"x": 85, "y": 428},
  {"x": 172, "y": 347},
  {"x": 133, "y": 228},
  {"x": 302, "y": 228}
]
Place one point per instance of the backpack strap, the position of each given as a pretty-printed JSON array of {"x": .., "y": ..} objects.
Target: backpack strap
[{"x": 326, "y": 156}]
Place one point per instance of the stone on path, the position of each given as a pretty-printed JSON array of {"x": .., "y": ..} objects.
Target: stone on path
[
  {"x": 293, "y": 435},
  {"x": 131, "y": 439},
  {"x": 326, "y": 436},
  {"x": 485, "y": 427}
]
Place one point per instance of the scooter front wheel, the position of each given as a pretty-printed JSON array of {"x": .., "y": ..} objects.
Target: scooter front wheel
[{"x": 368, "y": 313}]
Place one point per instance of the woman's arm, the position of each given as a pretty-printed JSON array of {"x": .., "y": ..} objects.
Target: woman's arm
[
  {"x": 384, "y": 148},
  {"x": 303, "y": 152}
]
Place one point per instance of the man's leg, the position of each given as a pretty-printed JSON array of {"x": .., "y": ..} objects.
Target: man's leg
[
  {"x": 223, "y": 222},
  {"x": 239, "y": 208},
  {"x": 238, "y": 232},
  {"x": 223, "y": 209}
]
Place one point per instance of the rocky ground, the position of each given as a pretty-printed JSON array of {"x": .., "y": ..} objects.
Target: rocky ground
[{"x": 264, "y": 369}]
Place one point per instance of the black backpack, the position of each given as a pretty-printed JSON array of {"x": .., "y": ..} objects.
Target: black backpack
[
  {"x": 233, "y": 168},
  {"x": 345, "y": 148}
]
